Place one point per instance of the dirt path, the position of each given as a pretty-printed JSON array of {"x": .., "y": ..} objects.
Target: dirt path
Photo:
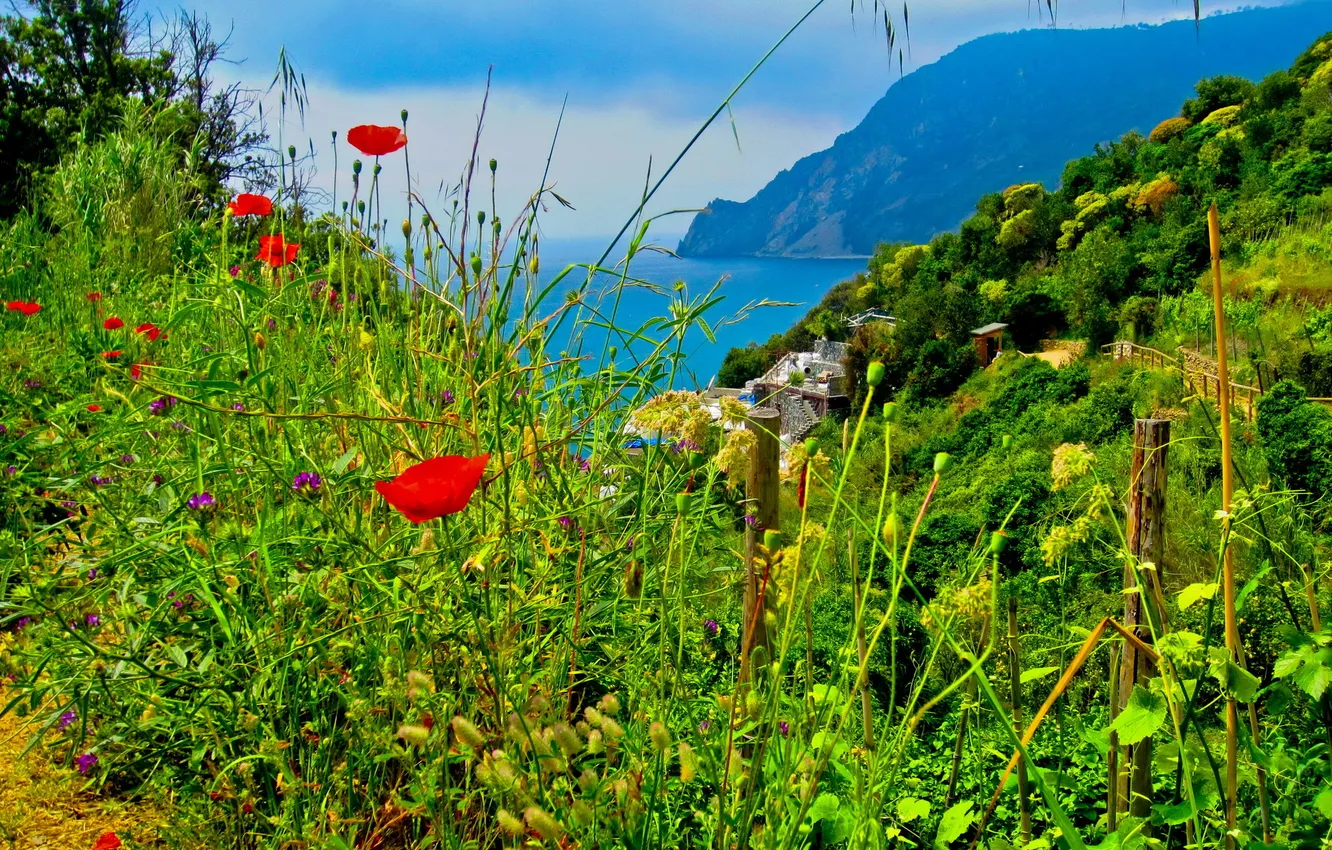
[{"x": 43, "y": 808}]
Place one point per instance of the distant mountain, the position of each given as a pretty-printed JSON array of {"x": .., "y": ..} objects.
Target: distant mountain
[{"x": 1002, "y": 109}]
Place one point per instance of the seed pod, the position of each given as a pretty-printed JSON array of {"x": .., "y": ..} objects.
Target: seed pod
[
  {"x": 259, "y": 341},
  {"x": 688, "y": 763},
  {"x": 494, "y": 164},
  {"x": 509, "y": 823},
  {"x": 1008, "y": 442},
  {"x": 356, "y": 166},
  {"x": 811, "y": 446},
  {"x": 582, "y": 813},
  {"x": 941, "y": 462},
  {"x": 404, "y": 116},
  {"x": 476, "y": 264},
  {"x": 682, "y": 501},
  {"x": 998, "y": 540},
  {"x": 567, "y": 739},
  {"x": 407, "y": 228},
  {"x": 534, "y": 266},
  {"x": 890, "y": 412},
  {"x": 291, "y": 152},
  {"x": 874, "y": 374},
  {"x": 413, "y": 734},
  {"x": 772, "y": 538},
  {"x": 661, "y": 739},
  {"x": 467, "y": 733},
  {"x": 542, "y": 823}
]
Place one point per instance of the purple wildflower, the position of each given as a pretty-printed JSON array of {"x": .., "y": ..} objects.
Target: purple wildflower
[
  {"x": 234, "y": 271},
  {"x": 67, "y": 719},
  {"x": 712, "y": 627},
  {"x": 93, "y": 621},
  {"x": 32, "y": 384},
  {"x": 158, "y": 479},
  {"x": 565, "y": 522},
  {"x": 178, "y": 425},
  {"x": 157, "y": 405},
  {"x": 704, "y": 726},
  {"x": 207, "y": 349},
  {"x": 202, "y": 501},
  {"x": 92, "y": 574},
  {"x": 785, "y": 727},
  {"x": 238, "y": 406},
  {"x": 11, "y": 470},
  {"x": 446, "y": 397},
  {"x": 682, "y": 445},
  {"x": 3, "y": 430},
  {"x": 99, "y": 480},
  {"x": 307, "y": 481},
  {"x": 69, "y": 504},
  {"x": 751, "y": 520},
  {"x": 85, "y": 763},
  {"x": 272, "y": 323},
  {"x": 585, "y": 465},
  {"x": 127, "y": 459},
  {"x": 21, "y": 622}
]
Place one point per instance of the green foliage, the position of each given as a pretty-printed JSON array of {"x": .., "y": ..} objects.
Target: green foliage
[{"x": 1297, "y": 438}]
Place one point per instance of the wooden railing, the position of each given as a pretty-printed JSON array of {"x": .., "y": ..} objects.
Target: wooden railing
[{"x": 1203, "y": 383}]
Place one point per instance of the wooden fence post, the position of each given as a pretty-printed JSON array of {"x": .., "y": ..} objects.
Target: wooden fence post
[
  {"x": 1146, "y": 542},
  {"x": 761, "y": 489}
]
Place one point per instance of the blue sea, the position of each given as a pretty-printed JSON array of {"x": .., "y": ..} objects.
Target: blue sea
[{"x": 744, "y": 280}]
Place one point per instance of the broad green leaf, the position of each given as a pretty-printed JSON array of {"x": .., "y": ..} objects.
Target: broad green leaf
[
  {"x": 1323, "y": 802},
  {"x": 1142, "y": 715},
  {"x": 1037, "y": 673},
  {"x": 1233, "y": 678},
  {"x": 955, "y": 822},
  {"x": 824, "y": 807},
  {"x": 1195, "y": 593},
  {"x": 340, "y": 465},
  {"x": 1251, "y": 585},
  {"x": 910, "y": 808},
  {"x": 1308, "y": 667},
  {"x": 838, "y": 829}
]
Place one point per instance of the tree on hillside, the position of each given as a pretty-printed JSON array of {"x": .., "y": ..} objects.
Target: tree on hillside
[{"x": 67, "y": 67}]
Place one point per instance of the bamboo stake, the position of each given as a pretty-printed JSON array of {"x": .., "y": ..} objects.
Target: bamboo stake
[{"x": 1227, "y": 491}]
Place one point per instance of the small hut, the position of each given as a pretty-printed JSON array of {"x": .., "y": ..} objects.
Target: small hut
[{"x": 989, "y": 341}]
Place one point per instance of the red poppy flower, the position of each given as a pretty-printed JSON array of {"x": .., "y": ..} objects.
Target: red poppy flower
[
  {"x": 247, "y": 204},
  {"x": 27, "y": 308},
  {"x": 374, "y": 140},
  {"x": 14, "y": 305},
  {"x": 94, "y": 296},
  {"x": 434, "y": 488},
  {"x": 113, "y": 323},
  {"x": 275, "y": 251},
  {"x": 136, "y": 371},
  {"x": 152, "y": 330},
  {"x": 107, "y": 841},
  {"x": 94, "y": 408},
  {"x": 110, "y": 355}
]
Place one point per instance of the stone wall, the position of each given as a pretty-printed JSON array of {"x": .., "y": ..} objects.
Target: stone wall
[{"x": 1192, "y": 361}]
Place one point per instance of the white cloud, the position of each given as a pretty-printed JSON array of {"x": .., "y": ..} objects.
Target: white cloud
[{"x": 600, "y": 161}]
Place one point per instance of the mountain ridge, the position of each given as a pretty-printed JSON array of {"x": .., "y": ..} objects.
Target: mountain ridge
[{"x": 995, "y": 111}]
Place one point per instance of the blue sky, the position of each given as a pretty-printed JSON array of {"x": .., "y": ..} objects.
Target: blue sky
[{"x": 639, "y": 76}]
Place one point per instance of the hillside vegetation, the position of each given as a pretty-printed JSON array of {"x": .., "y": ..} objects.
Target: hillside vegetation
[{"x": 321, "y": 531}]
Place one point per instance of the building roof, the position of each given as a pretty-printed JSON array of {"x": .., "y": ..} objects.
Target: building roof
[{"x": 990, "y": 328}]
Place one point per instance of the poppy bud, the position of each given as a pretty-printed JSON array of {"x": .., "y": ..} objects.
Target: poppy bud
[
  {"x": 356, "y": 166},
  {"x": 360, "y": 207},
  {"x": 335, "y": 137},
  {"x": 811, "y": 446},
  {"x": 682, "y": 501},
  {"x": 228, "y": 212},
  {"x": 998, "y": 540},
  {"x": 614, "y": 350},
  {"x": 404, "y": 116},
  {"x": 772, "y": 538},
  {"x": 344, "y": 206},
  {"x": 476, "y": 264},
  {"x": 259, "y": 341},
  {"x": 375, "y": 171},
  {"x": 407, "y": 228},
  {"x": 480, "y": 216},
  {"x": 291, "y": 152},
  {"x": 497, "y": 227},
  {"x": 892, "y": 529},
  {"x": 1008, "y": 442},
  {"x": 874, "y": 375},
  {"x": 494, "y": 164},
  {"x": 752, "y": 704},
  {"x": 941, "y": 462},
  {"x": 890, "y": 412}
]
